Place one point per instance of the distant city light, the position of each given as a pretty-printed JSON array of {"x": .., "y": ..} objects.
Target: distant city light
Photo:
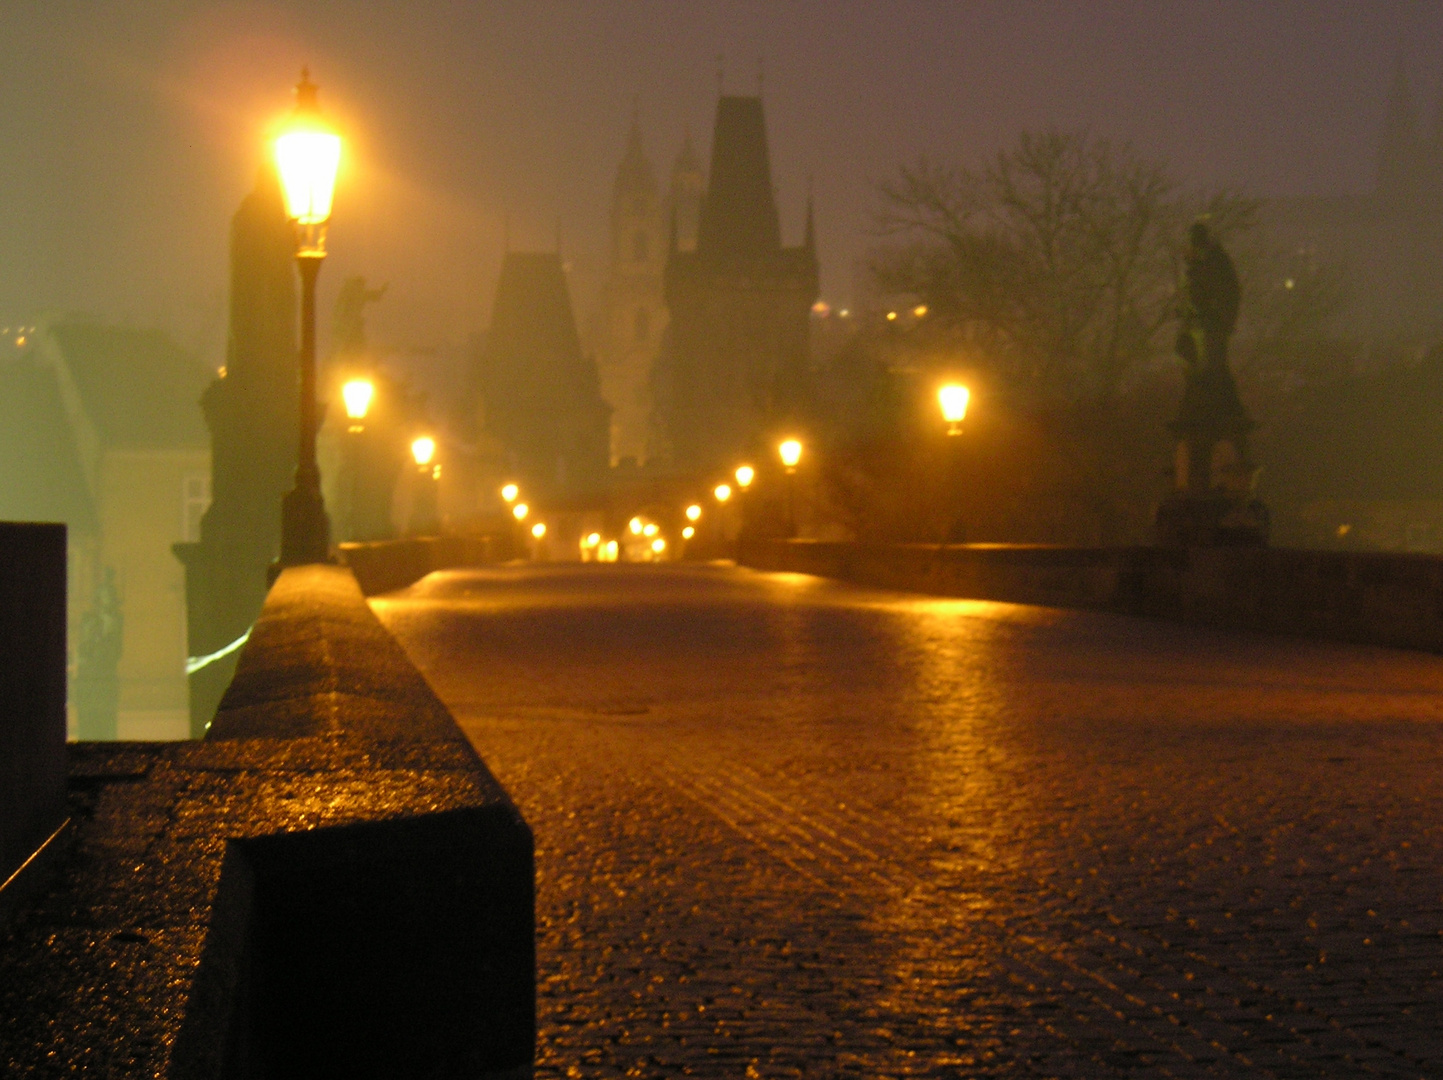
[
  {"x": 519, "y": 511},
  {"x": 844, "y": 313},
  {"x": 688, "y": 533},
  {"x": 635, "y": 526},
  {"x": 593, "y": 539},
  {"x": 821, "y": 308},
  {"x": 538, "y": 530},
  {"x": 723, "y": 492},
  {"x": 919, "y": 310},
  {"x": 509, "y": 492},
  {"x": 651, "y": 529},
  {"x": 891, "y": 316},
  {"x": 745, "y": 475},
  {"x": 612, "y": 549},
  {"x": 693, "y": 512},
  {"x": 658, "y": 545}
]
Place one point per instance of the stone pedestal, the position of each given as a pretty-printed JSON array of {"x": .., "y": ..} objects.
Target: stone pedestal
[{"x": 1212, "y": 500}]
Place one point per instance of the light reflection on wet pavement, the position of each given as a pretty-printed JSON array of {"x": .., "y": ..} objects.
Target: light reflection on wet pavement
[{"x": 789, "y": 827}]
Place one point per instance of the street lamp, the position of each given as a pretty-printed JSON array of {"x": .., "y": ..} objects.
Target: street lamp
[
  {"x": 357, "y": 395},
  {"x": 790, "y": 451},
  {"x": 426, "y": 512},
  {"x": 723, "y": 492},
  {"x": 693, "y": 512},
  {"x": 745, "y": 475},
  {"x": 308, "y": 154},
  {"x": 509, "y": 492},
  {"x": 953, "y": 399},
  {"x": 519, "y": 511}
]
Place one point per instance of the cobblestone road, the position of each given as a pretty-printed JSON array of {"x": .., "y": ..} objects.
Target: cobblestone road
[{"x": 789, "y": 827}]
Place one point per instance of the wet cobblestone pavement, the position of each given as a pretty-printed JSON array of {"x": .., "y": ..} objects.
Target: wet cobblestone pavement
[{"x": 790, "y": 827}]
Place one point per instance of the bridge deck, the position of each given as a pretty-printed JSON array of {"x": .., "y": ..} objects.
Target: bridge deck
[{"x": 788, "y": 827}]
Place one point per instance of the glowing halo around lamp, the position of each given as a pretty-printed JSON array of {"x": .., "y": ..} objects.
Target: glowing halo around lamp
[
  {"x": 790, "y": 451},
  {"x": 538, "y": 530},
  {"x": 509, "y": 492},
  {"x": 745, "y": 475},
  {"x": 519, "y": 511},
  {"x": 423, "y": 450},
  {"x": 723, "y": 492},
  {"x": 693, "y": 512}
]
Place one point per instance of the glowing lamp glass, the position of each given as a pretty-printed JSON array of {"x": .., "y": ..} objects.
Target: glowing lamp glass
[
  {"x": 745, "y": 475},
  {"x": 357, "y": 394},
  {"x": 509, "y": 492},
  {"x": 658, "y": 545},
  {"x": 688, "y": 533},
  {"x": 723, "y": 492},
  {"x": 307, "y": 158},
  {"x": 791, "y": 453},
  {"x": 635, "y": 526},
  {"x": 538, "y": 530},
  {"x": 953, "y": 399},
  {"x": 423, "y": 450},
  {"x": 693, "y": 512},
  {"x": 651, "y": 529},
  {"x": 519, "y": 511}
]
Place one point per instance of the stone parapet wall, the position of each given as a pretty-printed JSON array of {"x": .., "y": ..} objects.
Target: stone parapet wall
[
  {"x": 383, "y": 565},
  {"x": 1372, "y": 598},
  {"x": 332, "y": 884}
]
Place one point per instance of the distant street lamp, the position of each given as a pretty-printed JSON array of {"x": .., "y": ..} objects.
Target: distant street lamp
[
  {"x": 693, "y": 512},
  {"x": 426, "y": 510},
  {"x": 538, "y": 530},
  {"x": 745, "y": 474},
  {"x": 509, "y": 492},
  {"x": 723, "y": 492},
  {"x": 308, "y": 154},
  {"x": 953, "y": 399},
  {"x": 357, "y": 395},
  {"x": 790, "y": 451},
  {"x": 519, "y": 511}
]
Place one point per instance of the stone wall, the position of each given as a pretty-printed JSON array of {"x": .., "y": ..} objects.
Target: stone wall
[
  {"x": 383, "y": 565},
  {"x": 332, "y": 884},
  {"x": 1373, "y": 598}
]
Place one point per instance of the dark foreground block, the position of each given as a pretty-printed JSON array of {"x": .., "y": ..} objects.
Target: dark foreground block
[
  {"x": 332, "y": 885},
  {"x": 32, "y": 702}
]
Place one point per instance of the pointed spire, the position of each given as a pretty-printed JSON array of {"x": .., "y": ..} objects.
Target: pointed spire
[{"x": 739, "y": 212}]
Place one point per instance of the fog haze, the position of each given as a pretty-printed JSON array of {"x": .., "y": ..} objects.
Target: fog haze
[{"x": 132, "y": 131}]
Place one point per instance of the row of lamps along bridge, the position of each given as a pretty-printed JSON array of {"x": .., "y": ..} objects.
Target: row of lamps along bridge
[{"x": 308, "y": 157}]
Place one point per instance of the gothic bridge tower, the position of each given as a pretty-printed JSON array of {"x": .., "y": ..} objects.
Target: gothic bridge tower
[{"x": 733, "y": 370}]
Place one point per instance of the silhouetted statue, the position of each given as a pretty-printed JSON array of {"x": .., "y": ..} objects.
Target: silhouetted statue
[
  {"x": 348, "y": 329},
  {"x": 1212, "y": 500}
]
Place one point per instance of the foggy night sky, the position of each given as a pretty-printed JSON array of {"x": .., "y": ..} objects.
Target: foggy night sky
[{"x": 132, "y": 129}]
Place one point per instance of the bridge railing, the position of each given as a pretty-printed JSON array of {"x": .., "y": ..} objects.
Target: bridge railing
[
  {"x": 1377, "y": 598},
  {"x": 331, "y": 884}
]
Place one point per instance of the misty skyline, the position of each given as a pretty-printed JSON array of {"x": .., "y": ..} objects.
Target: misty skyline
[{"x": 132, "y": 133}]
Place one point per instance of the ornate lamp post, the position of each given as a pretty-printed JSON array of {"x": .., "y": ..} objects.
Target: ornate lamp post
[
  {"x": 357, "y": 395},
  {"x": 426, "y": 511},
  {"x": 308, "y": 154}
]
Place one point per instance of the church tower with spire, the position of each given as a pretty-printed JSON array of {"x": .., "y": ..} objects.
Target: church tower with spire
[{"x": 733, "y": 370}]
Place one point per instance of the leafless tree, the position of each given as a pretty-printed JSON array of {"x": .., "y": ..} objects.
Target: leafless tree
[{"x": 1058, "y": 262}]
